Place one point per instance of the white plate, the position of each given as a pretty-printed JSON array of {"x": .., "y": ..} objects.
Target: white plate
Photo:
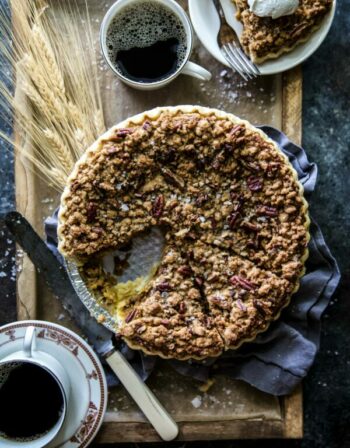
[
  {"x": 206, "y": 23},
  {"x": 88, "y": 398}
]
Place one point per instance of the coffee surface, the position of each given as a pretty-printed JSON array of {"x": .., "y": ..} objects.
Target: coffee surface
[
  {"x": 146, "y": 42},
  {"x": 31, "y": 402}
]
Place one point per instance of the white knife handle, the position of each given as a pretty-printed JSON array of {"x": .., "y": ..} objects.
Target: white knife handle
[{"x": 143, "y": 396}]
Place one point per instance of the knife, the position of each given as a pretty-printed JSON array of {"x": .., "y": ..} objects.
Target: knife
[{"x": 98, "y": 336}]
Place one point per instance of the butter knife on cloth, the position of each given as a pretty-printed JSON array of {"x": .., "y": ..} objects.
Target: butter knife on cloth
[{"x": 98, "y": 336}]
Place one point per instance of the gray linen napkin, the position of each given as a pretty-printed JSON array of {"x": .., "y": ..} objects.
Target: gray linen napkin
[{"x": 280, "y": 358}]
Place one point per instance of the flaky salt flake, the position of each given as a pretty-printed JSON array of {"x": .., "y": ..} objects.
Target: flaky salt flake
[{"x": 197, "y": 401}]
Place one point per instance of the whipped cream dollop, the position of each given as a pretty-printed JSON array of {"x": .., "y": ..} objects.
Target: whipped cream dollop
[{"x": 273, "y": 8}]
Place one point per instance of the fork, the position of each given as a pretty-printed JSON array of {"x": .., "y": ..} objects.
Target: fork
[{"x": 231, "y": 48}]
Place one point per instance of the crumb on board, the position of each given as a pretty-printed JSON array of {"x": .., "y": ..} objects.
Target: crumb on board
[
  {"x": 207, "y": 385},
  {"x": 101, "y": 318}
]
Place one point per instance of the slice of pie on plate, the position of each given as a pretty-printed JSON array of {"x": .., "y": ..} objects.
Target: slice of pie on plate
[
  {"x": 265, "y": 38},
  {"x": 234, "y": 220}
]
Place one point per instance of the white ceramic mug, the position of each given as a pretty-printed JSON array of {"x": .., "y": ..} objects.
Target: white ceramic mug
[
  {"x": 30, "y": 355},
  {"x": 187, "y": 67}
]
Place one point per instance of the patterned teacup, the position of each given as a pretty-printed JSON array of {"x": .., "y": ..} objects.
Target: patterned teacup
[{"x": 34, "y": 393}]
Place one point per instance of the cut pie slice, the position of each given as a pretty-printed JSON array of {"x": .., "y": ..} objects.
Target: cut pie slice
[
  {"x": 170, "y": 317},
  {"x": 256, "y": 210},
  {"x": 266, "y": 38},
  {"x": 242, "y": 298}
]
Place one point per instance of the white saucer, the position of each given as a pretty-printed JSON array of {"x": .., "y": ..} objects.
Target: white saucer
[
  {"x": 88, "y": 398},
  {"x": 206, "y": 23}
]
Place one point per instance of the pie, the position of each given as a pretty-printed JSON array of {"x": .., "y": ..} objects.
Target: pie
[
  {"x": 266, "y": 38},
  {"x": 234, "y": 220}
]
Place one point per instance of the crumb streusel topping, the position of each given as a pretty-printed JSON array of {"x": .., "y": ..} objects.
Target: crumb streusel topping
[
  {"x": 265, "y": 38},
  {"x": 234, "y": 217}
]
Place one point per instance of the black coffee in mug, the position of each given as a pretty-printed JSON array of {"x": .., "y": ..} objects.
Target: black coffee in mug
[
  {"x": 146, "y": 42},
  {"x": 31, "y": 402}
]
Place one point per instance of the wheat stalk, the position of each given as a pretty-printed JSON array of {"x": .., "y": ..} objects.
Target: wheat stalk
[
  {"x": 61, "y": 151},
  {"x": 54, "y": 57},
  {"x": 45, "y": 55},
  {"x": 82, "y": 142},
  {"x": 43, "y": 88},
  {"x": 34, "y": 96}
]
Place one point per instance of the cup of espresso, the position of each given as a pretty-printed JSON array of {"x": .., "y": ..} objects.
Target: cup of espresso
[
  {"x": 148, "y": 43},
  {"x": 34, "y": 389}
]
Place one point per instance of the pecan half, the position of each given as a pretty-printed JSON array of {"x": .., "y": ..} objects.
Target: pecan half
[
  {"x": 265, "y": 210},
  {"x": 158, "y": 206},
  {"x": 260, "y": 307},
  {"x": 146, "y": 125},
  {"x": 227, "y": 147},
  {"x": 253, "y": 166},
  {"x": 184, "y": 270},
  {"x": 241, "y": 305},
  {"x": 221, "y": 302},
  {"x": 254, "y": 183},
  {"x": 298, "y": 29},
  {"x": 213, "y": 223},
  {"x": 250, "y": 226},
  {"x": 182, "y": 307},
  {"x": 238, "y": 200},
  {"x": 208, "y": 322},
  {"x": 272, "y": 167},
  {"x": 113, "y": 150},
  {"x": 173, "y": 179},
  {"x": 198, "y": 281},
  {"x": 218, "y": 160},
  {"x": 91, "y": 212},
  {"x": 243, "y": 282},
  {"x": 201, "y": 199},
  {"x": 236, "y": 130},
  {"x": 163, "y": 287},
  {"x": 141, "y": 329},
  {"x": 232, "y": 219},
  {"x": 75, "y": 185},
  {"x": 213, "y": 277},
  {"x": 131, "y": 316},
  {"x": 122, "y": 133}
]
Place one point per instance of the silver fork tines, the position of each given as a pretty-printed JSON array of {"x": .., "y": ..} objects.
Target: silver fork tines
[{"x": 231, "y": 48}]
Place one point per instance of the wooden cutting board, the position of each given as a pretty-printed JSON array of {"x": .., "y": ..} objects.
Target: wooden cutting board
[{"x": 233, "y": 408}]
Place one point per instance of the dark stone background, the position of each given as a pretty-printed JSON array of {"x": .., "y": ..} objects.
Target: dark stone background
[{"x": 326, "y": 137}]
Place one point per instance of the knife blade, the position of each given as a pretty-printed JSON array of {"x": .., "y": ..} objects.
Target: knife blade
[
  {"x": 57, "y": 280},
  {"x": 100, "y": 337}
]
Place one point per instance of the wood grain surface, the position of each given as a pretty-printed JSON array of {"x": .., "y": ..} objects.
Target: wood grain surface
[{"x": 280, "y": 97}]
